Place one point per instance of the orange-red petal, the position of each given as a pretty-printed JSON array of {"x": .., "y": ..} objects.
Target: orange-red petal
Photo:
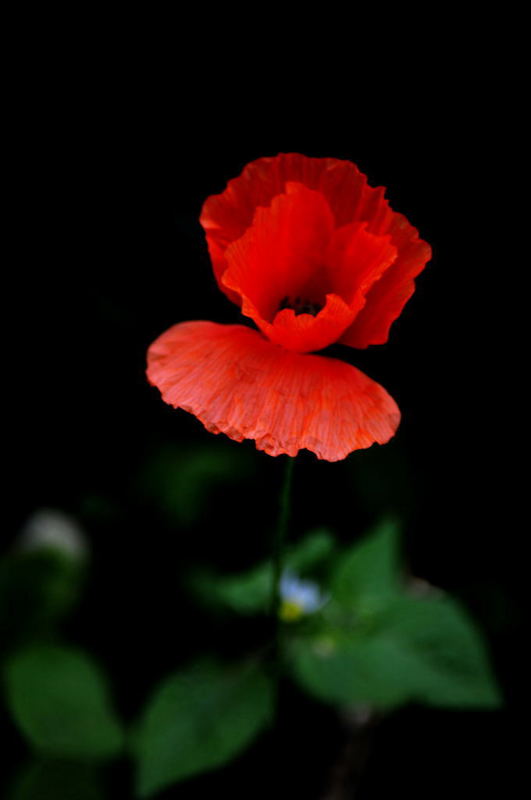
[
  {"x": 292, "y": 249},
  {"x": 306, "y": 333},
  {"x": 225, "y": 218},
  {"x": 238, "y": 383},
  {"x": 356, "y": 259},
  {"x": 281, "y": 251},
  {"x": 388, "y": 295}
]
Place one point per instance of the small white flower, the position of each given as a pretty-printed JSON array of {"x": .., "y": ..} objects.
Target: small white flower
[{"x": 51, "y": 529}]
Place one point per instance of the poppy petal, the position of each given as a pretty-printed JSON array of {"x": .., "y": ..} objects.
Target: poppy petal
[
  {"x": 238, "y": 383},
  {"x": 388, "y": 295},
  {"x": 281, "y": 251},
  {"x": 356, "y": 259},
  {"x": 226, "y": 216},
  {"x": 306, "y": 333}
]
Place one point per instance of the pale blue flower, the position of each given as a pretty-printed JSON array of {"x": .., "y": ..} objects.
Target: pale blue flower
[{"x": 298, "y": 597}]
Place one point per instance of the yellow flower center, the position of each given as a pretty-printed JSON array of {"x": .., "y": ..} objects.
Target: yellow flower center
[{"x": 290, "y": 611}]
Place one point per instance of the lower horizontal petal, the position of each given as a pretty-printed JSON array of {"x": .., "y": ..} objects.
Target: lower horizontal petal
[{"x": 238, "y": 383}]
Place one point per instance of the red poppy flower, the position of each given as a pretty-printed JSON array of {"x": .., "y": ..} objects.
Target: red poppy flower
[{"x": 314, "y": 256}]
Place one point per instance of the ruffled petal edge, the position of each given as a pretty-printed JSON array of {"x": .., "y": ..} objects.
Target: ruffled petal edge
[{"x": 240, "y": 384}]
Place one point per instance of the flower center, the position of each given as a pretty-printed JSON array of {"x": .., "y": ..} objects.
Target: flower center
[{"x": 301, "y": 306}]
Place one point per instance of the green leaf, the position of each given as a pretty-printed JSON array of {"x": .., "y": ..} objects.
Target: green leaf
[
  {"x": 246, "y": 593},
  {"x": 422, "y": 650},
  {"x": 312, "y": 551},
  {"x": 58, "y": 780},
  {"x": 59, "y": 700},
  {"x": 180, "y": 481},
  {"x": 446, "y": 656},
  {"x": 199, "y": 719},
  {"x": 367, "y": 576},
  {"x": 250, "y": 592},
  {"x": 346, "y": 671}
]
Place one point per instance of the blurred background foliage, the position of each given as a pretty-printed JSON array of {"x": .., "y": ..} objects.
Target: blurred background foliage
[{"x": 192, "y": 689}]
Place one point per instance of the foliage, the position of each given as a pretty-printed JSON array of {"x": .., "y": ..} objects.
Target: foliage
[
  {"x": 181, "y": 481},
  {"x": 250, "y": 592},
  {"x": 59, "y": 699},
  {"x": 372, "y": 641},
  {"x": 380, "y": 645},
  {"x": 198, "y": 719}
]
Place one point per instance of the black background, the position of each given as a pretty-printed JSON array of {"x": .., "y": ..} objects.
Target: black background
[{"x": 111, "y": 168}]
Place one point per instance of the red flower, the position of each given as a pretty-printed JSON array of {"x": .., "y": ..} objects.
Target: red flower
[{"x": 314, "y": 256}]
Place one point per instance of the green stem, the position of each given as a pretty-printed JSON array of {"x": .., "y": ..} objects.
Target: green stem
[{"x": 279, "y": 546}]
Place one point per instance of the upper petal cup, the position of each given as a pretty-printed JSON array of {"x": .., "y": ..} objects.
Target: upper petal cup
[{"x": 227, "y": 216}]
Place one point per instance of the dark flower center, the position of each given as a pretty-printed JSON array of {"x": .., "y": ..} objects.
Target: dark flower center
[{"x": 300, "y": 306}]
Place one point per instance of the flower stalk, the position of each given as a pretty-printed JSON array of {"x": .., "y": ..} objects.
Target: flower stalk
[{"x": 279, "y": 548}]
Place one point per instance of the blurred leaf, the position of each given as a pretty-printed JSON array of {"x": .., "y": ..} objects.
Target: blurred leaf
[
  {"x": 181, "y": 480},
  {"x": 311, "y": 551},
  {"x": 423, "y": 650},
  {"x": 199, "y": 719},
  {"x": 367, "y": 576},
  {"x": 346, "y": 671},
  {"x": 58, "y": 780},
  {"x": 449, "y": 659},
  {"x": 59, "y": 700},
  {"x": 37, "y": 590},
  {"x": 250, "y": 592},
  {"x": 246, "y": 593}
]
